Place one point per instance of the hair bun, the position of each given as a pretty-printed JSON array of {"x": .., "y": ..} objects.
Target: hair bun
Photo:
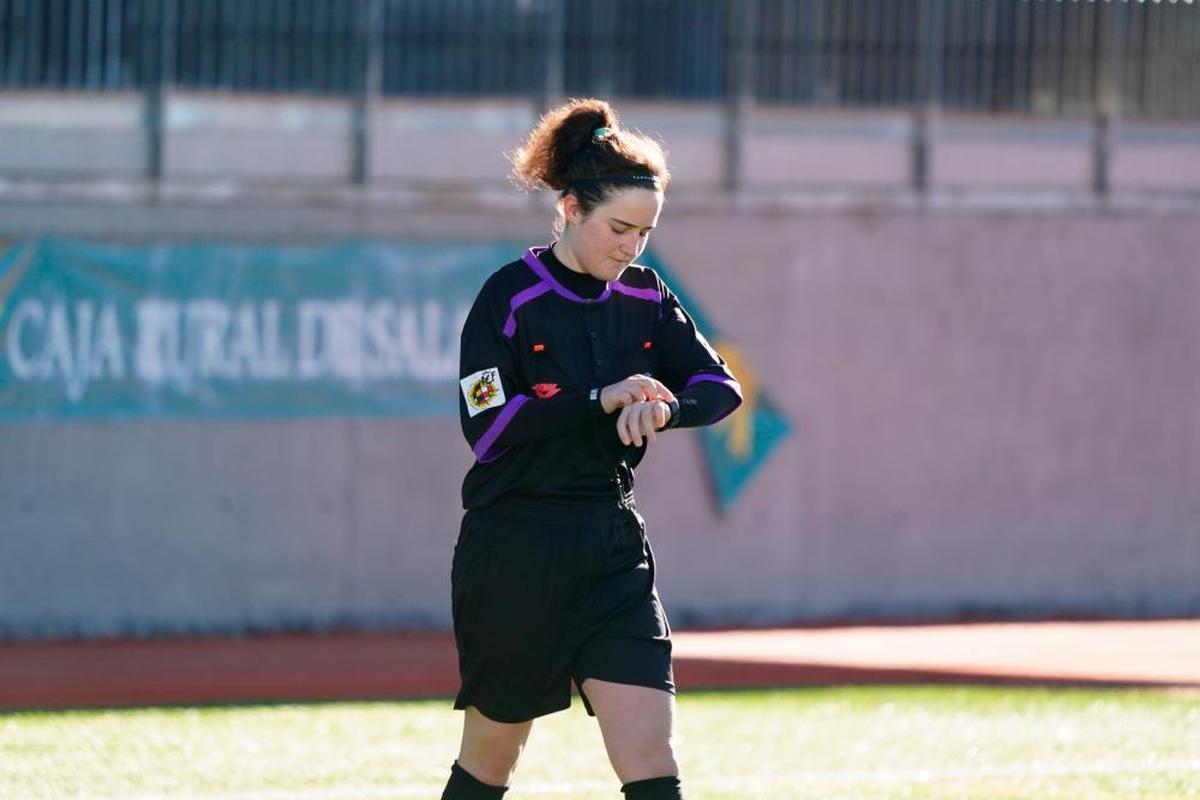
[
  {"x": 560, "y": 135},
  {"x": 581, "y": 143}
]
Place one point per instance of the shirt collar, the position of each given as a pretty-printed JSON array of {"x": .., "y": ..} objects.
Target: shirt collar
[{"x": 575, "y": 286}]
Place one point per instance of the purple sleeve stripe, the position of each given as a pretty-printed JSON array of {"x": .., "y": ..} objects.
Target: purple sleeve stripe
[
  {"x": 653, "y": 295},
  {"x": 701, "y": 377},
  {"x": 519, "y": 299},
  {"x": 483, "y": 448}
]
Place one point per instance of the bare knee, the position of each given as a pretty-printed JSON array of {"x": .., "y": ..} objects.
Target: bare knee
[
  {"x": 639, "y": 760},
  {"x": 490, "y": 750},
  {"x": 494, "y": 769},
  {"x": 491, "y": 761}
]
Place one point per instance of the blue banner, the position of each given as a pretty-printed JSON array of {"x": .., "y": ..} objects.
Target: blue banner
[
  {"x": 198, "y": 330},
  {"x": 171, "y": 330}
]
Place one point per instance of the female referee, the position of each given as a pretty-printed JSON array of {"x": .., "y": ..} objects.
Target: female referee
[{"x": 573, "y": 360}]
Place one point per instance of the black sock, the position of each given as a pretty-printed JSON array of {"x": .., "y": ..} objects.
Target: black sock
[
  {"x": 654, "y": 789},
  {"x": 465, "y": 786}
]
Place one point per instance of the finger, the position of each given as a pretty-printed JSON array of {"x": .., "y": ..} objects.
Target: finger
[
  {"x": 652, "y": 389},
  {"x": 663, "y": 392},
  {"x": 647, "y": 420},
  {"x": 661, "y": 415},
  {"x": 614, "y": 397},
  {"x": 635, "y": 425},
  {"x": 623, "y": 431},
  {"x": 631, "y": 426},
  {"x": 637, "y": 385},
  {"x": 650, "y": 433}
]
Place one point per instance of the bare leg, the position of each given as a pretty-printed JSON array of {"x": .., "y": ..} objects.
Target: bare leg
[
  {"x": 490, "y": 749},
  {"x": 637, "y": 724}
]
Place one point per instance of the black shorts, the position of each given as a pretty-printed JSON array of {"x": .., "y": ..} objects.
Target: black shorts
[{"x": 543, "y": 595}]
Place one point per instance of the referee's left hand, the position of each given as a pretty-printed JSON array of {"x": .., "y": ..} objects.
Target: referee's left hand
[{"x": 641, "y": 420}]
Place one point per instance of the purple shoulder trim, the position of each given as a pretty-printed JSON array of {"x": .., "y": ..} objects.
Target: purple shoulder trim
[
  {"x": 724, "y": 380},
  {"x": 653, "y": 295},
  {"x": 539, "y": 269},
  {"x": 483, "y": 449},
  {"x": 519, "y": 299},
  {"x": 549, "y": 282}
]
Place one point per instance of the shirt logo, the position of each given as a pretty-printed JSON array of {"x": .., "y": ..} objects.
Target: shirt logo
[
  {"x": 544, "y": 390},
  {"x": 482, "y": 390}
]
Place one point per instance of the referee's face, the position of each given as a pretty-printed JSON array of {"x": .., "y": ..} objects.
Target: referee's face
[{"x": 605, "y": 241}]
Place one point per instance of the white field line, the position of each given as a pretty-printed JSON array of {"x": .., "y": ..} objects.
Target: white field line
[{"x": 744, "y": 781}]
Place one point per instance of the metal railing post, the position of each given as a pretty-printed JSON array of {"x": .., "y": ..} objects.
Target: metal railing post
[
  {"x": 926, "y": 115},
  {"x": 553, "y": 84},
  {"x": 156, "y": 92},
  {"x": 1105, "y": 99},
  {"x": 366, "y": 98},
  {"x": 739, "y": 87}
]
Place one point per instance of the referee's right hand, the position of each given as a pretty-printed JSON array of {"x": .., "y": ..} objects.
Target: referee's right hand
[{"x": 634, "y": 389}]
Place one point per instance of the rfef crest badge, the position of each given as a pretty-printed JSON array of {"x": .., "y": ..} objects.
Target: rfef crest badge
[{"x": 482, "y": 390}]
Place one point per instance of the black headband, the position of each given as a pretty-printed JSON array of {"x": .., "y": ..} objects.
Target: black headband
[{"x": 649, "y": 181}]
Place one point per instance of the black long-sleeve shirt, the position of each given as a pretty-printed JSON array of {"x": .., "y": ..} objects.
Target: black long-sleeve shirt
[{"x": 539, "y": 343}]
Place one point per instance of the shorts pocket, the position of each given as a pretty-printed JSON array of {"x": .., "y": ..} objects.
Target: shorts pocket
[{"x": 470, "y": 560}]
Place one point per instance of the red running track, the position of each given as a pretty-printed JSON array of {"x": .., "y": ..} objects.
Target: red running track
[{"x": 125, "y": 672}]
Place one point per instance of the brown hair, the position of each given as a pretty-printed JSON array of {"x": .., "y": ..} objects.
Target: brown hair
[{"x": 574, "y": 148}]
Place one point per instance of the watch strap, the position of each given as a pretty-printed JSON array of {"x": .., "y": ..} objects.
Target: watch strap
[{"x": 672, "y": 420}]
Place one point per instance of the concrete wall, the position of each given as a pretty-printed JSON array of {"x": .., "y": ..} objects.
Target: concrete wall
[
  {"x": 992, "y": 413},
  {"x": 231, "y": 139}
]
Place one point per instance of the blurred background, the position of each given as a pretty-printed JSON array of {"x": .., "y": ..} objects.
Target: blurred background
[{"x": 949, "y": 246}]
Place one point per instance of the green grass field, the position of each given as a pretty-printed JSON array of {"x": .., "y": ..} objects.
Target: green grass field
[{"x": 873, "y": 742}]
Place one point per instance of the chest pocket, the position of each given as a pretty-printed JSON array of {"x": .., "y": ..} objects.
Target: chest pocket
[
  {"x": 547, "y": 369},
  {"x": 638, "y": 357}
]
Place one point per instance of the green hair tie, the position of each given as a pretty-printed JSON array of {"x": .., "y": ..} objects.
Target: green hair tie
[{"x": 600, "y": 133}]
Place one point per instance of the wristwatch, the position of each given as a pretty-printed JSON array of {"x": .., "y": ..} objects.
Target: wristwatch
[{"x": 672, "y": 420}]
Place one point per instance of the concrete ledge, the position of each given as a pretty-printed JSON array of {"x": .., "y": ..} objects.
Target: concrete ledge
[
  {"x": 257, "y": 137},
  {"x": 72, "y": 135},
  {"x": 459, "y": 144},
  {"x": 986, "y": 151},
  {"x": 1157, "y": 156},
  {"x": 451, "y": 142},
  {"x": 799, "y": 147}
]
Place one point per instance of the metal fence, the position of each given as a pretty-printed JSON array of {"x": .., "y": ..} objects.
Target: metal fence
[{"x": 1041, "y": 56}]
